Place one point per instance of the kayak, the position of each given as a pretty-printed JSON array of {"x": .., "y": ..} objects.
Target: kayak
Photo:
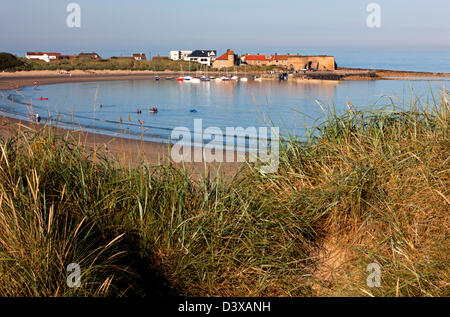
[{"x": 42, "y": 98}]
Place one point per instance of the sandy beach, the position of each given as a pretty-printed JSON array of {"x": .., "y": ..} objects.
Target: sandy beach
[
  {"x": 21, "y": 79},
  {"x": 129, "y": 152}
]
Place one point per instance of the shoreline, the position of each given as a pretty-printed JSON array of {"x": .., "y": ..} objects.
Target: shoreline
[
  {"x": 125, "y": 150},
  {"x": 15, "y": 80}
]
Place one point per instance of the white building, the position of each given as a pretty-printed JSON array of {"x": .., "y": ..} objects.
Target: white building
[
  {"x": 179, "y": 55},
  {"x": 204, "y": 57},
  {"x": 43, "y": 56}
]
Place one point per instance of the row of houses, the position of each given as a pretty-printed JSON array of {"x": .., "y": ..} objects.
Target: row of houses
[
  {"x": 231, "y": 59},
  {"x": 210, "y": 58},
  {"x": 207, "y": 57}
]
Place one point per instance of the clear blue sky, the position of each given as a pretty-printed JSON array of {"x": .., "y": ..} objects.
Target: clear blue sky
[{"x": 245, "y": 25}]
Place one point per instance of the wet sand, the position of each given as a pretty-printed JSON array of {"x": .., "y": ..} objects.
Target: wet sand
[{"x": 127, "y": 152}]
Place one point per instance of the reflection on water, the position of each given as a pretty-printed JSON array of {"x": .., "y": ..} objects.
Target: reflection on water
[{"x": 291, "y": 105}]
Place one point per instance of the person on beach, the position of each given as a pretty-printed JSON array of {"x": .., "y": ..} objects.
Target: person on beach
[{"x": 38, "y": 118}]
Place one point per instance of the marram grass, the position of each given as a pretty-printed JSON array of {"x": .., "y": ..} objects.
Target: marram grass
[{"x": 366, "y": 187}]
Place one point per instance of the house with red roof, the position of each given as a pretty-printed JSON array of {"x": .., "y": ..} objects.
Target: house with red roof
[
  {"x": 43, "y": 56},
  {"x": 228, "y": 59},
  {"x": 265, "y": 60},
  {"x": 139, "y": 57}
]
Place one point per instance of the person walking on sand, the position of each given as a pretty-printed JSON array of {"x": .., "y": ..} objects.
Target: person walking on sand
[{"x": 38, "y": 118}]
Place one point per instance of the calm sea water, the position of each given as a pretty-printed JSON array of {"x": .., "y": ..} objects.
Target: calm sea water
[
  {"x": 409, "y": 60},
  {"x": 292, "y": 106}
]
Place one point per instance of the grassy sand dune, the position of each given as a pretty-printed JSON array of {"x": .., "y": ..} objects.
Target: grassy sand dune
[{"x": 366, "y": 187}]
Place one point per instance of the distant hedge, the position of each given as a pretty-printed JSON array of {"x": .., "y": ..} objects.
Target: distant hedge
[{"x": 9, "y": 62}]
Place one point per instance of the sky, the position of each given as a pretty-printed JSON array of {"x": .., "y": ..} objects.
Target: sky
[{"x": 247, "y": 26}]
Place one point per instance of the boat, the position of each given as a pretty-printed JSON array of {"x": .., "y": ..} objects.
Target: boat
[
  {"x": 187, "y": 78},
  {"x": 195, "y": 80},
  {"x": 245, "y": 74},
  {"x": 153, "y": 110},
  {"x": 204, "y": 78},
  {"x": 235, "y": 77},
  {"x": 170, "y": 78},
  {"x": 218, "y": 79},
  {"x": 193, "y": 110},
  {"x": 257, "y": 79},
  {"x": 42, "y": 98},
  {"x": 157, "y": 78},
  {"x": 180, "y": 78},
  {"x": 225, "y": 78}
]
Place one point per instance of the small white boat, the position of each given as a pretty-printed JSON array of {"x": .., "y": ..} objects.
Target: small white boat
[
  {"x": 195, "y": 80},
  {"x": 218, "y": 79},
  {"x": 258, "y": 79},
  {"x": 235, "y": 78},
  {"x": 187, "y": 78},
  {"x": 244, "y": 79}
]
